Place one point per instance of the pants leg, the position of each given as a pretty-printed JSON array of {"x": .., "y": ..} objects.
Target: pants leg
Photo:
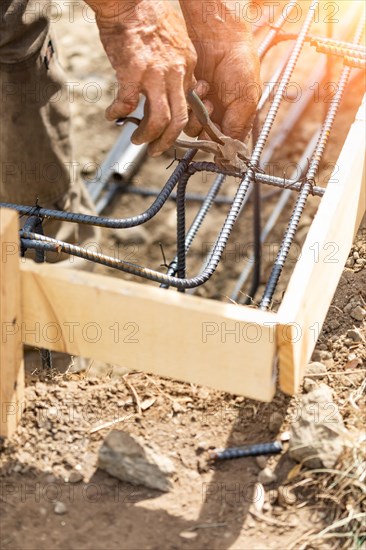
[{"x": 35, "y": 147}]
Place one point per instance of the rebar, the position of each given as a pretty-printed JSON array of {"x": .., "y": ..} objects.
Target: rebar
[
  {"x": 279, "y": 23},
  {"x": 112, "y": 223},
  {"x": 257, "y": 449},
  {"x": 310, "y": 177}
]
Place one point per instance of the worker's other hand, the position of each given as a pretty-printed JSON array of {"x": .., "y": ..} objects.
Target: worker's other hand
[
  {"x": 227, "y": 62},
  {"x": 149, "y": 48}
]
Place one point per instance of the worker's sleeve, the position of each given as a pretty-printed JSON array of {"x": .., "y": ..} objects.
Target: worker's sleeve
[{"x": 35, "y": 149}]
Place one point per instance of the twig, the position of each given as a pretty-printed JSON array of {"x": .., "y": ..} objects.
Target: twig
[
  {"x": 335, "y": 373},
  {"x": 294, "y": 544},
  {"x": 134, "y": 393},
  {"x": 356, "y": 395},
  {"x": 157, "y": 387},
  {"x": 271, "y": 521},
  {"x": 110, "y": 423},
  {"x": 336, "y": 524},
  {"x": 206, "y": 526}
]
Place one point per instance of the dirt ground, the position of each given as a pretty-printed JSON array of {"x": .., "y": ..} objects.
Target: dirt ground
[{"x": 52, "y": 457}]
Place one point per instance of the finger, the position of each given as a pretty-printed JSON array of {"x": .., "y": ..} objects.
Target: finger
[
  {"x": 127, "y": 99},
  {"x": 194, "y": 127},
  {"x": 157, "y": 110},
  {"x": 202, "y": 88},
  {"x": 179, "y": 115},
  {"x": 237, "y": 119}
]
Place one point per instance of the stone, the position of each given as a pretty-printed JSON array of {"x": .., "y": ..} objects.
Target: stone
[
  {"x": 348, "y": 308},
  {"x": 309, "y": 385},
  {"x": 132, "y": 459},
  {"x": 75, "y": 477},
  {"x": 316, "y": 434},
  {"x": 60, "y": 508},
  {"x": 333, "y": 324},
  {"x": 354, "y": 335},
  {"x": 177, "y": 407},
  {"x": 323, "y": 356},
  {"x": 266, "y": 476},
  {"x": 286, "y": 497},
  {"x": 315, "y": 367},
  {"x": 202, "y": 446},
  {"x": 358, "y": 313},
  {"x": 52, "y": 413},
  {"x": 188, "y": 535},
  {"x": 275, "y": 422},
  {"x": 261, "y": 461}
]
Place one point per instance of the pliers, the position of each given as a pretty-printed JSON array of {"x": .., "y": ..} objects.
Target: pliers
[{"x": 230, "y": 153}]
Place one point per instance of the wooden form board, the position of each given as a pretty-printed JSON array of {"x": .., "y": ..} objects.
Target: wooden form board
[
  {"x": 323, "y": 255},
  {"x": 228, "y": 347},
  {"x": 11, "y": 351},
  {"x": 146, "y": 328}
]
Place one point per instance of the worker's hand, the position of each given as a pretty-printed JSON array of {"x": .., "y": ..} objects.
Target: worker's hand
[
  {"x": 228, "y": 62},
  {"x": 149, "y": 48}
]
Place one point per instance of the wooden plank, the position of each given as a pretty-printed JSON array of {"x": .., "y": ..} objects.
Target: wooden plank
[
  {"x": 228, "y": 347},
  {"x": 11, "y": 351},
  {"x": 325, "y": 251}
]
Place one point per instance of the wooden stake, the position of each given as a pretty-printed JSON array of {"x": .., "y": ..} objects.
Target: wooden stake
[{"x": 11, "y": 351}]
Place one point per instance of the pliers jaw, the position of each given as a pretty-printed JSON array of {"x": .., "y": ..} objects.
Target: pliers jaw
[{"x": 229, "y": 153}]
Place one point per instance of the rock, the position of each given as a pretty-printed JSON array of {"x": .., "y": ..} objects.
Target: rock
[
  {"x": 60, "y": 508},
  {"x": 202, "y": 446},
  {"x": 348, "y": 308},
  {"x": 285, "y": 496},
  {"x": 354, "y": 335},
  {"x": 202, "y": 465},
  {"x": 316, "y": 368},
  {"x": 266, "y": 476},
  {"x": 275, "y": 422},
  {"x": 132, "y": 459},
  {"x": 315, "y": 436},
  {"x": 52, "y": 413},
  {"x": 358, "y": 313},
  {"x": 261, "y": 461},
  {"x": 323, "y": 356},
  {"x": 309, "y": 385},
  {"x": 75, "y": 477},
  {"x": 188, "y": 535},
  {"x": 333, "y": 324},
  {"x": 177, "y": 407}
]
